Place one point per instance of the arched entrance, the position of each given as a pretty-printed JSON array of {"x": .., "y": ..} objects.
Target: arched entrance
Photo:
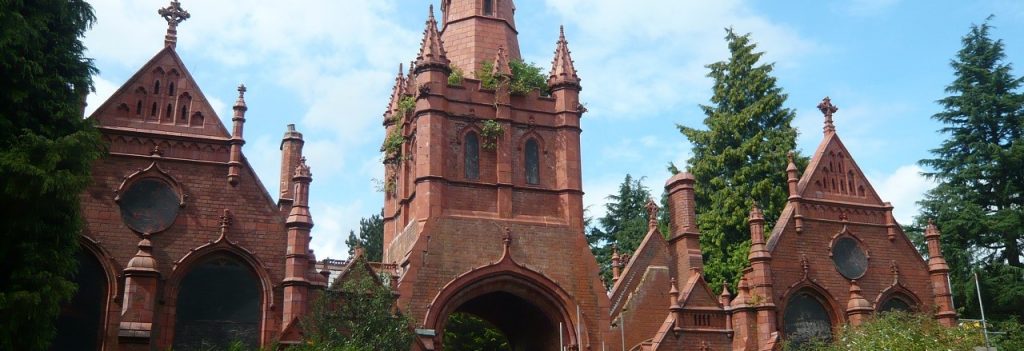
[
  {"x": 218, "y": 304},
  {"x": 529, "y": 309},
  {"x": 79, "y": 326}
]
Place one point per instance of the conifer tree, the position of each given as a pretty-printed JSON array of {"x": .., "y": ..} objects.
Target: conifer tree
[
  {"x": 978, "y": 203},
  {"x": 371, "y": 238},
  {"x": 46, "y": 151},
  {"x": 740, "y": 158},
  {"x": 624, "y": 224}
]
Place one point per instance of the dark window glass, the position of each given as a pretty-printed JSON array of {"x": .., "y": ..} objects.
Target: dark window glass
[
  {"x": 806, "y": 320},
  {"x": 218, "y": 304},
  {"x": 149, "y": 205},
  {"x": 138, "y": 107},
  {"x": 184, "y": 112},
  {"x": 152, "y": 110},
  {"x": 895, "y": 304},
  {"x": 488, "y": 7},
  {"x": 532, "y": 162},
  {"x": 472, "y": 156},
  {"x": 170, "y": 109},
  {"x": 170, "y": 88},
  {"x": 79, "y": 325},
  {"x": 850, "y": 259},
  {"x": 156, "y": 87}
]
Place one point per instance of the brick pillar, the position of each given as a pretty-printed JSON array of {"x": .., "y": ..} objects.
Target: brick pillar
[
  {"x": 858, "y": 309},
  {"x": 744, "y": 319},
  {"x": 140, "y": 290},
  {"x": 794, "y": 196},
  {"x": 939, "y": 272},
  {"x": 299, "y": 223},
  {"x": 237, "y": 140},
  {"x": 684, "y": 236},
  {"x": 761, "y": 278},
  {"x": 565, "y": 89},
  {"x": 291, "y": 151}
]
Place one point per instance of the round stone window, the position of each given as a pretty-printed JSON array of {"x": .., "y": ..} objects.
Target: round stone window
[
  {"x": 149, "y": 205},
  {"x": 850, "y": 259}
]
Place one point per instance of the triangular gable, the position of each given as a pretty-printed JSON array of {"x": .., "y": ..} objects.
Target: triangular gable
[
  {"x": 175, "y": 104},
  {"x": 832, "y": 174},
  {"x": 697, "y": 293},
  {"x": 653, "y": 251}
]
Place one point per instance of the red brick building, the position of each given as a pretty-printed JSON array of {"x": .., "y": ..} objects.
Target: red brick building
[{"x": 483, "y": 214}]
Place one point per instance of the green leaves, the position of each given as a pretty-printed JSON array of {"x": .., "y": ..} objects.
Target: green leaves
[
  {"x": 624, "y": 224},
  {"x": 901, "y": 331},
  {"x": 371, "y": 238},
  {"x": 740, "y": 157}
]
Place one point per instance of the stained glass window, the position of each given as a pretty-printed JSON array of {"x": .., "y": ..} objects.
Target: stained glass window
[
  {"x": 149, "y": 205},
  {"x": 895, "y": 303},
  {"x": 472, "y": 156},
  {"x": 806, "y": 320},
  {"x": 849, "y": 258},
  {"x": 532, "y": 162},
  {"x": 218, "y": 304}
]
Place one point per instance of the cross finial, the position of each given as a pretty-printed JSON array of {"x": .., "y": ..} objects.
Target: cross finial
[
  {"x": 652, "y": 214},
  {"x": 174, "y": 15},
  {"x": 827, "y": 108}
]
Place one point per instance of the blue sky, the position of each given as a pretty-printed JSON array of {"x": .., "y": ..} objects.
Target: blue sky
[{"x": 328, "y": 67}]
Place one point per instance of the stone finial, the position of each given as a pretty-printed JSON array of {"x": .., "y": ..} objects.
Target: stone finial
[
  {"x": 827, "y": 108},
  {"x": 432, "y": 53},
  {"x": 674, "y": 307},
  {"x": 302, "y": 170},
  {"x": 652, "y": 214},
  {"x": 805, "y": 265},
  {"x": 563, "y": 73},
  {"x": 156, "y": 152},
  {"x": 755, "y": 213},
  {"x": 501, "y": 67},
  {"x": 725, "y": 296},
  {"x": 857, "y": 308},
  {"x": 506, "y": 237},
  {"x": 174, "y": 15},
  {"x": 226, "y": 219},
  {"x": 790, "y": 166},
  {"x": 616, "y": 263},
  {"x": 240, "y": 102}
]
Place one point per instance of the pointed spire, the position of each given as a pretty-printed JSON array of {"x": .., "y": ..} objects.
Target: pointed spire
[
  {"x": 240, "y": 102},
  {"x": 652, "y": 214},
  {"x": 174, "y": 15},
  {"x": 725, "y": 296},
  {"x": 675, "y": 308},
  {"x": 563, "y": 73},
  {"x": 827, "y": 108},
  {"x": 501, "y": 67},
  {"x": 794, "y": 197},
  {"x": 616, "y": 263},
  {"x": 237, "y": 139},
  {"x": 432, "y": 54},
  {"x": 756, "y": 222}
]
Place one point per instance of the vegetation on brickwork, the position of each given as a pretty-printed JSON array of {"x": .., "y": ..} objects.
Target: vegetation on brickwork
[
  {"x": 355, "y": 314},
  {"x": 899, "y": 331},
  {"x": 392, "y": 147},
  {"x": 624, "y": 224},
  {"x": 456, "y": 76},
  {"x": 526, "y": 77},
  {"x": 405, "y": 106},
  {"x": 978, "y": 203},
  {"x": 739, "y": 158},
  {"x": 490, "y": 131},
  {"x": 370, "y": 238},
  {"x": 46, "y": 151}
]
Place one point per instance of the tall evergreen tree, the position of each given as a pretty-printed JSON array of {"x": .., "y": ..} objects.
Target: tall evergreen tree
[
  {"x": 979, "y": 200},
  {"x": 740, "y": 158},
  {"x": 371, "y": 238},
  {"x": 624, "y": 224},
  {"x": 46, "y": 150}
]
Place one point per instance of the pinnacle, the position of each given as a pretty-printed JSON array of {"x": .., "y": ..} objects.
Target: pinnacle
[
  {"x": 240, "y": 102},
  {"x": 562, "y": 69},
  {"x": 432, "y": 51},
  {"x": 501, "y": 67}
]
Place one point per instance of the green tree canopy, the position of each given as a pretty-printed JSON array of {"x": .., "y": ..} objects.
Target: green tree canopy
[
  {"x": 740, "y": 158},
  {"x": 371, "y": 238},
  {"x": 624, "y": 224},
  {"x": 978, "y": 203},
  {"x": 46, "y": 151}
]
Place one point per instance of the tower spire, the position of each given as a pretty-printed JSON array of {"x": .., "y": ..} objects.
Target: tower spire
[
  {"x": 563, "y": 73},
  {"x": 432, "y": 54},
  {"x": 174, "y": 15}
]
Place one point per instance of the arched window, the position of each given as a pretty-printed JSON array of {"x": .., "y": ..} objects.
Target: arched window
[
  {"x": 218, "y": 304},
  {"x": 79, "y": 326},
  {"x": 170, "y": 88},
  {"x": 138, "y": 107},
  {"x": 472, "y": 156},
  {"x": 169, "y": 113},
  {"x": 896, "y": 302},
  {"x": 532, "y": 162},
  {"x": 488, "y": 7},
  {"x": 152, "y": 110},
  {"x": 806, "y": 319},
  {"x": 184, "y": 112},
  {"x": 156, "y": 87}
]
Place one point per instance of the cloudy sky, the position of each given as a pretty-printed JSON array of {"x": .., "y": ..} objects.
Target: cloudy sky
[{"x": 328, "y": 67}]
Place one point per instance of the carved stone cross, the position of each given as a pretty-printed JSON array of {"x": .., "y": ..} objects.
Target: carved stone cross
[
  {"x": 652, "y": 214},
  {"x": 174, "y": 14}
]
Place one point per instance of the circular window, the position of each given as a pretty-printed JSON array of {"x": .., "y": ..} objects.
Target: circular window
[
  {"x": 149, "y": 205},
  {"x": 849, "y": 257}
]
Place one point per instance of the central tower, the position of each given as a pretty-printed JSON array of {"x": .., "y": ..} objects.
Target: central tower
[{"x": 483, "y": 199}]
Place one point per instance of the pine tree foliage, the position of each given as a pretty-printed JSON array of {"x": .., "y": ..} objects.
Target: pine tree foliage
[
  {"x": 978, "y": 203},
  {"x": 740, "y": 158},
  {"x": 624, "y": 224},
  {"x": 371, "y": 238},
  {"x": 46, "y": 150}
]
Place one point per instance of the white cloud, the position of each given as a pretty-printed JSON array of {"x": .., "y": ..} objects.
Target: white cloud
[
  {"x": 104, "y": 89},
  {"x": 332, "y": 224},
  {"x": 903, "y": 188}
]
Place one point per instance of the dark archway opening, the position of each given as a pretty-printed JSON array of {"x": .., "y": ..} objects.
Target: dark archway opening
[
  {"x": 218, "y": 305},
  {"x": 79, "y": 326},
  {"x": 524, "y": 325}
]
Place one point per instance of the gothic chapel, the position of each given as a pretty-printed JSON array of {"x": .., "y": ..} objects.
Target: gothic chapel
[{"x": 184, "y": 247}]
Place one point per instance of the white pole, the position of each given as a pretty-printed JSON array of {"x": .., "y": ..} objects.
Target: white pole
[
  {"x": 579, "y": 342},
  {"x": 561, "y": 342},
  {"x": 622, "y": 330},
  {"x": 984, "y": 323}
]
